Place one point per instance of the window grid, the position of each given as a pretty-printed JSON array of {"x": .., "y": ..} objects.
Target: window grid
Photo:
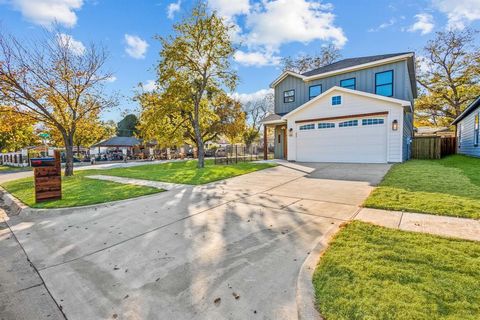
[
  {"x": 309, "y": 126},
  {"x": 326, "y": 125},
  {"x": 369, "y": 122},
  {"x": 314, "y": 91},
  {"x": 289, "y": 96},
  {"x": 384, "y": 83},
  {"x": 350, "y": 123},
  {"x": 348, "y": 83},
  {"x": 336, "y": 100}
]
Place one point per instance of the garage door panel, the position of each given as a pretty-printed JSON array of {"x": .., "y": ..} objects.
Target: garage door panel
[{"x": 351, "y": 144}]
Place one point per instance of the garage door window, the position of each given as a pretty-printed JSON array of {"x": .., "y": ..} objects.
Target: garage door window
[
  {"x": 370, "y": 122},
  {"x": 310, "y": 126},
  {"x": 351, "y": 123},
  {"x": 326, "y": 125}
]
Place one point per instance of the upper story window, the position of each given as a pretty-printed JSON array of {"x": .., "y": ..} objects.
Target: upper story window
[
  {"x": 384, "y": 83},
  {"x": 314, "y": 91},
  {"x": 336, "y": 100},
  {"x": 289, "y": 96},
  {"x": 348, "y": 83},
  {"x": 476, "y": 130}
]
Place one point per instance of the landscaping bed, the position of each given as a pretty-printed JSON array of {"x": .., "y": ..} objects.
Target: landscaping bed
[
  {"x": 450, "y": 186},
  {"x": 371, "y": 272}
]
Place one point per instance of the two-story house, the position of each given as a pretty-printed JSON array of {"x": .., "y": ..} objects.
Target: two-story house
[{"x": 353, "y": 110}]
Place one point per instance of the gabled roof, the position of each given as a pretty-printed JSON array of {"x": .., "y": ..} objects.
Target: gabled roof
[
  {"x": 352, "y": 64},
  {"x": 119, "y": 142},
  {"x": 402, "y": 103},
  {"x": 474, "y": 105},
  {"x": 346, "y": 63}
]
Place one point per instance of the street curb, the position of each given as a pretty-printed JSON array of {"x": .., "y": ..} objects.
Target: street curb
[
  {"x": 305, "y": 294},
  {"x": 15, "y": 206}
]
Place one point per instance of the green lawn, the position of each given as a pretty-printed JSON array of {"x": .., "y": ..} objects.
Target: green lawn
[
  {"x": 185, "y": 172},
  {"x": 8, "y": 168},
  {"x": 371, "y": 272},
  {"x": 450, "y": 186},
  {"x": 78, "y": 191}
]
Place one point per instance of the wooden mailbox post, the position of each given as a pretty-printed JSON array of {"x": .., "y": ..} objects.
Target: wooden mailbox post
[{"x": 48, "y": 178}]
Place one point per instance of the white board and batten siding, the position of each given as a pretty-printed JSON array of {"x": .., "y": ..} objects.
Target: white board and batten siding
[{"x": 363, "y": 144}]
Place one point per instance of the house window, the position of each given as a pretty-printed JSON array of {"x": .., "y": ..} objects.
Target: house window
[
  {"x": 350, "y": 123},
  {"x": 384, "y": 83},
  {"x": 348, "y": 83},
  {"x": 326, "y": 125},
  {"x": 309, "y": 126},
  {"x": 289, "y": 96},
  {"x": 336, "y": 100},
  {"x": 476, "y": 131},
  {"x": 314, "y": 91},
  {"x": 370, "y": 122}
]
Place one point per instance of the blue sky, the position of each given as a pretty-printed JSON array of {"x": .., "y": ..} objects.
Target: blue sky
[{"x": 266, "y": 31}]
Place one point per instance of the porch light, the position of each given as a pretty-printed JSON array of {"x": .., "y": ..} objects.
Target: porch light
[
  {"x": 394, "y": 125},
  {"x": 290, "y": 132}
]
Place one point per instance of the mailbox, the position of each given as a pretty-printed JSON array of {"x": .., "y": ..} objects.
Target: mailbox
[
  {"x": 48, "y": 180},
  {"x": 42, "y": 162}
]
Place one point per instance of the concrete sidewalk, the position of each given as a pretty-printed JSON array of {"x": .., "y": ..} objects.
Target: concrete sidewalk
[{"x": 461, "y": 228}]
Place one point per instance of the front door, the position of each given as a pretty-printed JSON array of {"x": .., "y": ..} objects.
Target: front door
[{"x": 280, "y": 142}]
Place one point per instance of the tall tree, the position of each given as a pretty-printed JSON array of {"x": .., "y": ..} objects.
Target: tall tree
[
  {"x": 449, "y": 77},
  {"x": 195, "y": 67},
  {"x": 256, "y": 109},
  {"x": 16, "y": 131},
  {"x": 54, "y": 81},
  {"x": 306, "y": 62},
  {"x": 127, "y": 127}
]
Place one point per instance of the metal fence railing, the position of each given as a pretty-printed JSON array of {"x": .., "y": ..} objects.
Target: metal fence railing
[{"x": 236, "y": 153}]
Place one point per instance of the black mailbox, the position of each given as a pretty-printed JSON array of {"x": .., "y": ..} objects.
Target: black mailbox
[{"x": 42, "y": 162}]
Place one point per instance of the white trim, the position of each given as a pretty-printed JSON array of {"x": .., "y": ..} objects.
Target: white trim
[
  {"x": 339, "y": 71},
  {"x": 280, "y": 121},
  {"x": 345, "y": 90}
]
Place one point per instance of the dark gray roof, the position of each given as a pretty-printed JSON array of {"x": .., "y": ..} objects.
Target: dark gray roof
[
  {"x": 350, "y": 62},
  {"x": 119, "y": 142},
  {"x": 273, "y": 117},
  {"x": 474, "y": 105}
]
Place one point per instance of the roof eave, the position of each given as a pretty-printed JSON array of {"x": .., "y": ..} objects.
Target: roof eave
[
  {"x": 466, "y": 112},
  {"x": 283, "y": 76}
]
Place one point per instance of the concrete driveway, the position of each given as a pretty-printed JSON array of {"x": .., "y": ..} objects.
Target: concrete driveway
[{"x": 226, "y": 250}]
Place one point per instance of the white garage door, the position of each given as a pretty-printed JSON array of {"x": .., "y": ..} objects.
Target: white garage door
[{"x": 362, "y": 140}]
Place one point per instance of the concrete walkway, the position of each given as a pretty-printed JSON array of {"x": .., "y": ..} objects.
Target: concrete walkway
[
  {"x": 229, "y": 249},
  {"x": 139, "y": 182},
  {"x": 461, "y": 228}
]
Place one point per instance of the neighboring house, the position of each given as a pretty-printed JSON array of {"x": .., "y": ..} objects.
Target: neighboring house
[
  {"x": 353, "y": 110},
  {"x": 468, "y": 130}
]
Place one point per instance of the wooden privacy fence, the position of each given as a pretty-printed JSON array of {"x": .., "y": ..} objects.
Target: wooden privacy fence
[{"x": 433, "y": 147}]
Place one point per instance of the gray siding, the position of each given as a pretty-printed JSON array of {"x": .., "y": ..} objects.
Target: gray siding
[
  {"x": 407, "y": 135},
  {"x": 467, "y": 146},
  {"x": 365, "y": 81}
]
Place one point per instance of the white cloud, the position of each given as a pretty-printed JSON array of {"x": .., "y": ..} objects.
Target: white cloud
[
  {"x": 274, "y": 23},
  {"x": 459, "y": 12},
  {"x": 46, "y": 12},
  {"x": 229, "y": 8},
  {"x": 254, "y": 96},
  {"x": 173, "y": 8},
  {"x": 257, "y": 59},
  {"x": 424, "y": 23},
  {"x": 111, "y": 79},
  {"x": 136, "y": 46},
  {"x": 149, "y": 85},
  {"x": 75, "y": 46},
  {"x": 384, "y": 25}
]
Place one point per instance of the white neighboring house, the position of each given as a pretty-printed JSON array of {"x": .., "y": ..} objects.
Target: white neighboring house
[{"x": 357, "y": 110}]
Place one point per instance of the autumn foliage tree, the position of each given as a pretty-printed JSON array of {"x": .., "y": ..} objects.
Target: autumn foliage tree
[
  {"x": 194, "y": 70},
  {"x": 449, "y": 77},
  {"x": 53, "y": 81},
  {"x": 16, "y": 131}
]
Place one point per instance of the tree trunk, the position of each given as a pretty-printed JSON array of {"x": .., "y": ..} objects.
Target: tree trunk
[
  {"x": 198, "y": 137},
  {"x": 68, "y": 155}
]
